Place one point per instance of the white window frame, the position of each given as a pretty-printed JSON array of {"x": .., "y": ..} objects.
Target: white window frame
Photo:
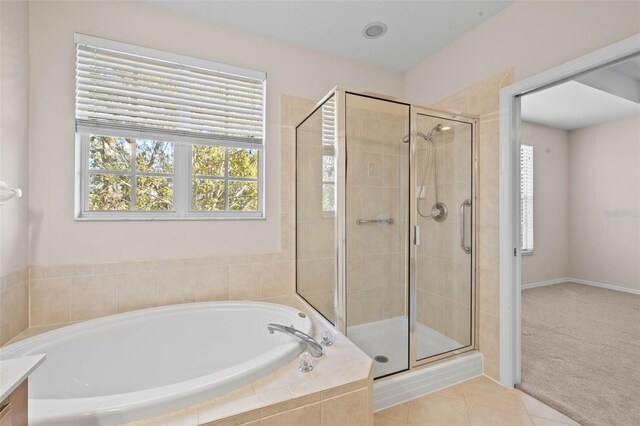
[
  {"x": 530, "y": 226},
  {"x": 182, "y": 175},
  {"x": 182, "y": 189}
]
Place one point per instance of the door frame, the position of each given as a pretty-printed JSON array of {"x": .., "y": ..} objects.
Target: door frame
[{"x": 510, "y": 259}]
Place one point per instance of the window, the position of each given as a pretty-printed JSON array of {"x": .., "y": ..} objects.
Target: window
[
  {"x": 163, "y": 136},
  {"x": 526, "y": 199},
  {"x": 329, "y": 156}
]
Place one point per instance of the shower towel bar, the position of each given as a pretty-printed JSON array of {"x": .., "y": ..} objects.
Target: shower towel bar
[{"x": 366, "y": 221}]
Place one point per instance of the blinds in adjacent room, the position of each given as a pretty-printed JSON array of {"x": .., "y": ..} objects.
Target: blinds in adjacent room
[
  {"x": 526, "y": 198},
  {"x": 125, "y": 90}
]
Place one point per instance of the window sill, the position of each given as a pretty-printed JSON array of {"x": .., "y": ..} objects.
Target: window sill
[
  {"x": 526, "y": 253},
  {"x": 165, "y": 219}
]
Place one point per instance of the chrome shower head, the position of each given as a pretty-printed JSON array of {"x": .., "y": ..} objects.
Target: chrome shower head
[{"x": 436, "y": 129}]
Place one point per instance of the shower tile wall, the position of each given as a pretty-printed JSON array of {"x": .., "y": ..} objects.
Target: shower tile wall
[
  {"x": 376, "y": 189},
  {"x": 443, "y": 269}
]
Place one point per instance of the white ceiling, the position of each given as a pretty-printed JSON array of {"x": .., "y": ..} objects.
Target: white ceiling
[
  {"x": 416, "y": 29},
  {"x": 573, "y": 105}
]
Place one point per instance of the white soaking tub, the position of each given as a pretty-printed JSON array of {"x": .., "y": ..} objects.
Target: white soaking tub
[{"x": 126, "y": 367}]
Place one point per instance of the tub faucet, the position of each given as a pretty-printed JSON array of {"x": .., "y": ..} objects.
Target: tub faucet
[{"x": 314, "y": 348}]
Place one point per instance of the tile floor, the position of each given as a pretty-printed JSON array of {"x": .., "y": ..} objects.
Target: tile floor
[{"x": 476, "y": 402}]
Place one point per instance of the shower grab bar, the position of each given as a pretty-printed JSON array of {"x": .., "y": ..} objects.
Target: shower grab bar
[
  {"x": 465, "y": 248},
  {"x": 388, "y": 221}
]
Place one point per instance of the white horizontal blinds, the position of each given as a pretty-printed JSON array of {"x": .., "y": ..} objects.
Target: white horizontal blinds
[
  {"x": 526, "y": 198},
  {"x": 329, "y": 122},
  {"x": 124, "y": 90}
]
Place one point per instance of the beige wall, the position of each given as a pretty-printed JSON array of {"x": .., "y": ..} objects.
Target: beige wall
[
  {"x": 550, "y": 258},
  {"x": 530, "y": 36},
  {"x": 605, "y": 203},
  {"x": 14, "y": 148},
  {"x": 14, "y": 133},
  {"x": 56, "y": 237}
]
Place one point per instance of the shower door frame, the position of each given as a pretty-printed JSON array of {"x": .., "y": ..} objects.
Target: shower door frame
[
  {"x": 472, "y": 120},
  {"x": 340, "y": 302}
]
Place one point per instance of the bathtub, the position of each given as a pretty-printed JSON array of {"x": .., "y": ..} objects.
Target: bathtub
[{"x": 126, "y": 367}]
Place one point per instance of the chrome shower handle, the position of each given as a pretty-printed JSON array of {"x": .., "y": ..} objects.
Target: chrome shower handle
[
  {"x": 465, "y": 248},
  {"x": 388, "y": 221}
]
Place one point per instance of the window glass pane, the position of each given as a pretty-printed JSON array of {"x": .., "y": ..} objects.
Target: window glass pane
[
  {"x": 154, "y": 193},
  {"x": 207, "y": 195},
  {"x": 243, "y": 195},
  {"x": 328, "y": 168},
  {"x": 328, "y": 197},
  {"x": 109, "y": 192},
  {"x": 109, "y": 153},
  {"x": 208, "y": 160},
  {"x": 243, "y": 162},
  {"x": 154, "y": 157}
]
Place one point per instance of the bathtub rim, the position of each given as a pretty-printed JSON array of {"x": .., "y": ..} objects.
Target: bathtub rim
[{"x": 164, "y": 396}]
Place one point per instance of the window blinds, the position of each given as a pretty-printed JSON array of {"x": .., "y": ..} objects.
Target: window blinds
[
  {"x": 526, "y": 198},
  {"x": 329, "y": 122},
  {"x": 129, "y": 91}
]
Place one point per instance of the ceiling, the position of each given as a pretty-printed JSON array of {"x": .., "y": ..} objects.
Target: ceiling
[
  {"x": 573, "y": 105},
  {"x": 416, "y": 29}
]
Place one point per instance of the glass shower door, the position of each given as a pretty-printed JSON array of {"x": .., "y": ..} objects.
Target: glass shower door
[
  {"x": 442, "y": 255},
  {"x": 377, "y": 188}
]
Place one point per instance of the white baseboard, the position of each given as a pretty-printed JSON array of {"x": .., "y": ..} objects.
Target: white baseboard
[
  {"x": 547, "y": 282},
  {"x": 584, "y": 282},
  {"x": 404, "y": 387}
]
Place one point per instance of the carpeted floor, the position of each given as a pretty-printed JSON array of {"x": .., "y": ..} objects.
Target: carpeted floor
[{"x": 581, "y": 352}]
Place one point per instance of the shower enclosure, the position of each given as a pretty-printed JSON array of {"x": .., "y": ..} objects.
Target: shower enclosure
[{"x": 385, "y": 226}]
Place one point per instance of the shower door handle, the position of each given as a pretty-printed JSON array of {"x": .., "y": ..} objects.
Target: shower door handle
[
  {"x": 465, "y": 248},
  {"x": 416, "y": 235}
]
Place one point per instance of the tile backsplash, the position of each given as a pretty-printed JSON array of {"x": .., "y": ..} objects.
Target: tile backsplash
[
  {"x": 69, "y": 293},
  {"x": 14, "y": 304}
]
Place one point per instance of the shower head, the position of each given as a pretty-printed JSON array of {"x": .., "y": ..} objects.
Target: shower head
[{"x": 436, "y": 129}]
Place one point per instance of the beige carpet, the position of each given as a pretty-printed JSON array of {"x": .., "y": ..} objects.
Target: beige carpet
[{"x": 581, "y": 352}]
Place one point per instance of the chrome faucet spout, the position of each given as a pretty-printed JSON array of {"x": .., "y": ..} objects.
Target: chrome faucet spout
[{"x": 314, "y": 348}]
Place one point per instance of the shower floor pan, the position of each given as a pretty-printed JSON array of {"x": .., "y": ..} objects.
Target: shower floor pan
[{"x": 388, "y": 340}]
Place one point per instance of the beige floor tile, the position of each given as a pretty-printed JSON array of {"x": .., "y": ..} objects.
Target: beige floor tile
[
  {"x": 455, "y": 391},
  {"x": 536, "y": 408},
  {"x": 539, "y": 421},
  {"x": 438, "y": 410},
  {"x": 481, "y": 386},
  {"x": 483, "y": 415},
  {"x": 398, "y": 412},
  {"x": 384, "y": 421},
  {"x": 476, "y": 402},
  {"x": 506, "y": 400}
]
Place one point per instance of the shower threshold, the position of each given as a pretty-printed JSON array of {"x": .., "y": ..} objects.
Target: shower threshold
[{"x": 388, "y": 341}]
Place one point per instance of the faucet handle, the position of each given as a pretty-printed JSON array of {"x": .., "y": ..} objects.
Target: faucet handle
[
  {"x": 326, "y": 338},
  {"x": 306, "y": 364}
]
